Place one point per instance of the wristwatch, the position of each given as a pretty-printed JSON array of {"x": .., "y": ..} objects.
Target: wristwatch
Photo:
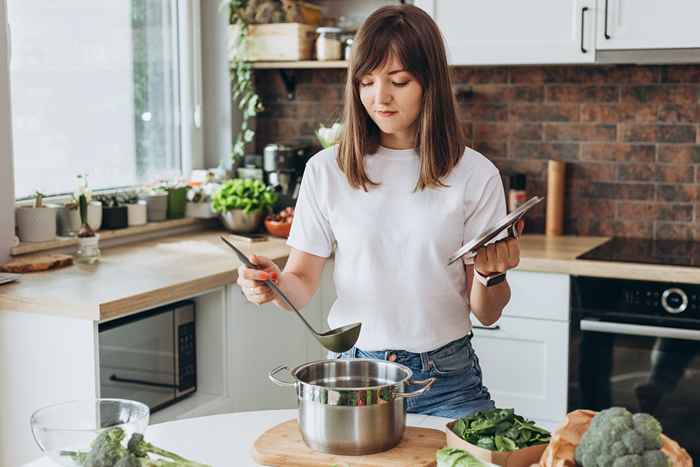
[{"x": 491, "y": 280}]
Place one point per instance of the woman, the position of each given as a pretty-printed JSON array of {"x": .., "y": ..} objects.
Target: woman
[{"x": 396, "y": 197}]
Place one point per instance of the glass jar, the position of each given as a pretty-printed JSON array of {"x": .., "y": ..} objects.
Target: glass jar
[
  {"x": 88, "y": 250},
  {"x": 328, "y": 45}
]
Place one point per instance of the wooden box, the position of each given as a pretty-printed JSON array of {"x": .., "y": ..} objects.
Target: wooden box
[
  {"x": 280, "y": 42},
  {"x": 521, "y": 458}
]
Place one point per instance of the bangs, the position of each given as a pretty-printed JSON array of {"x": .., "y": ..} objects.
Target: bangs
[{"x": 391, "y": 37}]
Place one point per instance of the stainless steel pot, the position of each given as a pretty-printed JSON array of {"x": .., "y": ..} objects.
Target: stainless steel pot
[{"x": 352, "y": 406}]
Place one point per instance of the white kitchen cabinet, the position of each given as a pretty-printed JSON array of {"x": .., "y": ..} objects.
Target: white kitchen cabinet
[
  {"x": 524, "y": 356},
  {"x": 538, "y": 295},
  {"x": 515, "y": 32},
  {"x": 524, "y": 365},
  {"x": 648, "y": 24},
  {"x": 262, "y": 338}
]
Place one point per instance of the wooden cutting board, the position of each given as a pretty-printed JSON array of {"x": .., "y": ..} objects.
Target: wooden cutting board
[
  {"x": 283, "y": 446},
  {"x": 37, "y": 263}
]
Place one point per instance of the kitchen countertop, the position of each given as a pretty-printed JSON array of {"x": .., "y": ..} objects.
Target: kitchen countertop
[
  {"x": 135, "y": 277},
  {"x": 227, "y": 439}
]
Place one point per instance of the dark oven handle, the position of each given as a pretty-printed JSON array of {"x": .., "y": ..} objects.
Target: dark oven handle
[{"x": 639, "y": 330}]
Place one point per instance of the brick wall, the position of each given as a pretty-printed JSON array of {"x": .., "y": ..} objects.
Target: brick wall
[{"x": 630, "y": 136}]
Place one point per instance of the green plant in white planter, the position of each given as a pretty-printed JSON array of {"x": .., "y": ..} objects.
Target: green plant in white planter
[
  {"x": 243, "y": 203},
  {"x": 199, "y": 201},
  {"x": 137, "y": 209},
  {"x": 36, "y": 222},
  {"x": 69, "y": 215}
]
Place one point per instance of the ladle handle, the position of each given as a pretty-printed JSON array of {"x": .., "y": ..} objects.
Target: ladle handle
[{"x": 244, "y": 259}]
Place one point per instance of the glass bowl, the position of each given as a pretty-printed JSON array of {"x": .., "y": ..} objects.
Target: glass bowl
[{"x": 72, "y": 426}]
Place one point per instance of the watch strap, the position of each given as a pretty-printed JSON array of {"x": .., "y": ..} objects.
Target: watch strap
[{"x": 491, "y": 280}]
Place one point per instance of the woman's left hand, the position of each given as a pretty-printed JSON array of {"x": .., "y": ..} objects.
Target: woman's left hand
[{"x": 500, "y": 256}]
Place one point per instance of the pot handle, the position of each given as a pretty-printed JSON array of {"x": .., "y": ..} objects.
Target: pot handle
[
  {"x": 426, "y": 383},
  {"x": 279, "y": 382}
]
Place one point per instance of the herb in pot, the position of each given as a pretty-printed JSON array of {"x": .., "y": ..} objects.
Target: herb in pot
[
  {"x": 246, "y": 194},
  {"x": 500, "y": 430}
]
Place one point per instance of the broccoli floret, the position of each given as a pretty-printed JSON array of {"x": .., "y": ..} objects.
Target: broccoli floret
[
  {"x": 129, "y": 460},
  {"x": 141, "y": 448},
  {"x": 633, "y": 442},
  {"x": 605, "y": 460},
  {"x": 106, "y": 450},
  {"x": 628, "y": 461},
  {"x": 616, "y": 438},
  {"x": 655, "y": 458}
]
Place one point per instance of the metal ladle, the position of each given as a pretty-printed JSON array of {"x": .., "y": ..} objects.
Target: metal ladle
[{"x": 336, "y": 340}]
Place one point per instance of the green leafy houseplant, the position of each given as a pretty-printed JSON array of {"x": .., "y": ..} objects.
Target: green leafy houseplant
[
  {"x": 246, "y": 194},
  {"x": 241, "y": 72}
]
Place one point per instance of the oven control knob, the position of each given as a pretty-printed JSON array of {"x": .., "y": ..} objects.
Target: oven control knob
[{"x": 674, "y": 300}]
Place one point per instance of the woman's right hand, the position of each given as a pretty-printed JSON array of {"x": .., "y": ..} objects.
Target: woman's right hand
[{"x": 252, "y": 282}]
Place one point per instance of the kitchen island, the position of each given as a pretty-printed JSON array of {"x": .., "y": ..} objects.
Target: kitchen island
[{"x": 49, "y": 327}]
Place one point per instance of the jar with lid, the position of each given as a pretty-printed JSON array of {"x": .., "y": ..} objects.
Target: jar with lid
[{"x": 328, "y": 46}]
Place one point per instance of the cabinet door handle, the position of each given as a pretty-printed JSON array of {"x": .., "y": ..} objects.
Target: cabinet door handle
[
  {"x": 583, "y": 15},
  {"x": 487, "y": 328},
  {"x": 605, "y": 33}
]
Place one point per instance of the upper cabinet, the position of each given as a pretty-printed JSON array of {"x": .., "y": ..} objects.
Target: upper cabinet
[
  {"x": 648, "y": 24},
  {"x": 516, "y": 32}
]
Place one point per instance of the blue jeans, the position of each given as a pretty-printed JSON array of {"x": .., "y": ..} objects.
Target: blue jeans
[{"x": 458, "y": 390}]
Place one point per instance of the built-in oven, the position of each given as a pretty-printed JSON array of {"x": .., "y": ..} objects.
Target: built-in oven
[
  {"x": 636, "y": 344},
  {"x": 150, "y": 356}
]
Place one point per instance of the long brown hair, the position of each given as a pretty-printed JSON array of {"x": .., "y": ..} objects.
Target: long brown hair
[{"x": 415, "y": 40}]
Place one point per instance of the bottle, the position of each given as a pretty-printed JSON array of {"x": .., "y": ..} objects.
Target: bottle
[{"x": 517, "y": 194}]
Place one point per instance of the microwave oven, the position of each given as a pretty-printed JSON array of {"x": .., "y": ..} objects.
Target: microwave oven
[{"x": 150, "y": 356}]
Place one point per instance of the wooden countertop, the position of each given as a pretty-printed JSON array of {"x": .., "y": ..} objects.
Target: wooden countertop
[{"x": 135, "y": 277}]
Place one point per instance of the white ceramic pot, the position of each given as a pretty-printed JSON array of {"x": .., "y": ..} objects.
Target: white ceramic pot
[
  {"x": 137, "y": 213},
  {"x": 95, "y": 215},
  {"x": 199, "y": 211},
  {"x": 36, "y": 224},
  {"x": 68, "y": 221}
]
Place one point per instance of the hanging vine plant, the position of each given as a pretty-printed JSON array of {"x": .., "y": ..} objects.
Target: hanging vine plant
[{"x": 241, "y": 73}]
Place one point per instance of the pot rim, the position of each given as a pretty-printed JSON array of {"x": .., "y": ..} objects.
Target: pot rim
[{"x": 405, "y": 380}]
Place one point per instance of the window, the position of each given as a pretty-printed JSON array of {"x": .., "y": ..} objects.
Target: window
[{"x": 95, "y": 89}]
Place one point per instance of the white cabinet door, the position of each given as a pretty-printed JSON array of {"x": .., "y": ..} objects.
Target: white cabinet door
[
  {"x": 648, "y": 24},
  {"x": 514, "y": 31},
  {"x": 538, "y": 295},
  {"x": 260, "y": 339},
  {"x": 524, "y": 364}
]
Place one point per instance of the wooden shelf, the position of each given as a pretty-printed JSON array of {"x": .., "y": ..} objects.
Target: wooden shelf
[
  {"x": 61, "y": 242},
  {"x": 300, "y": 65}
]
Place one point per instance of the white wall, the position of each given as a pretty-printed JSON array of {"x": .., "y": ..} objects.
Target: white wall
[
  {"x": 216, "y": 89},
  {"x": 7, "y": 187}
]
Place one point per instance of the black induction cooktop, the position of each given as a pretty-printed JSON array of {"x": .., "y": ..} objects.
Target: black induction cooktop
[{"x": 638, "y": 250}]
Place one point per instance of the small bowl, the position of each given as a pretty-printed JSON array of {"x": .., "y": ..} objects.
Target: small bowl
[
  {"x": 73, "y": 426},
  {"x": 278, "y": 229}
]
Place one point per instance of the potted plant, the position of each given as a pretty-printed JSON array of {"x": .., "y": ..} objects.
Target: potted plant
[
  {"x": 243, "y": 203},
  {"x": 88, "y": 241},
  {"x": 137, "y": 210},
  {"x": 199, "y": 201},
  {"x": 156, "y": 203},
  {"x": 69, "y": 215},
  {"x": 177, "y": 199},
  {"x": 114, "y": 212},
  {"x": 36, "y": 222}
]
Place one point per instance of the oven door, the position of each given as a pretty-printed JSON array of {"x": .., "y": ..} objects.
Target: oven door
[{"x": 651, "y": 369}]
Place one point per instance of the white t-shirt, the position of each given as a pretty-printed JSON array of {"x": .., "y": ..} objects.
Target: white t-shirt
[{"x": 393, "y": 243}]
